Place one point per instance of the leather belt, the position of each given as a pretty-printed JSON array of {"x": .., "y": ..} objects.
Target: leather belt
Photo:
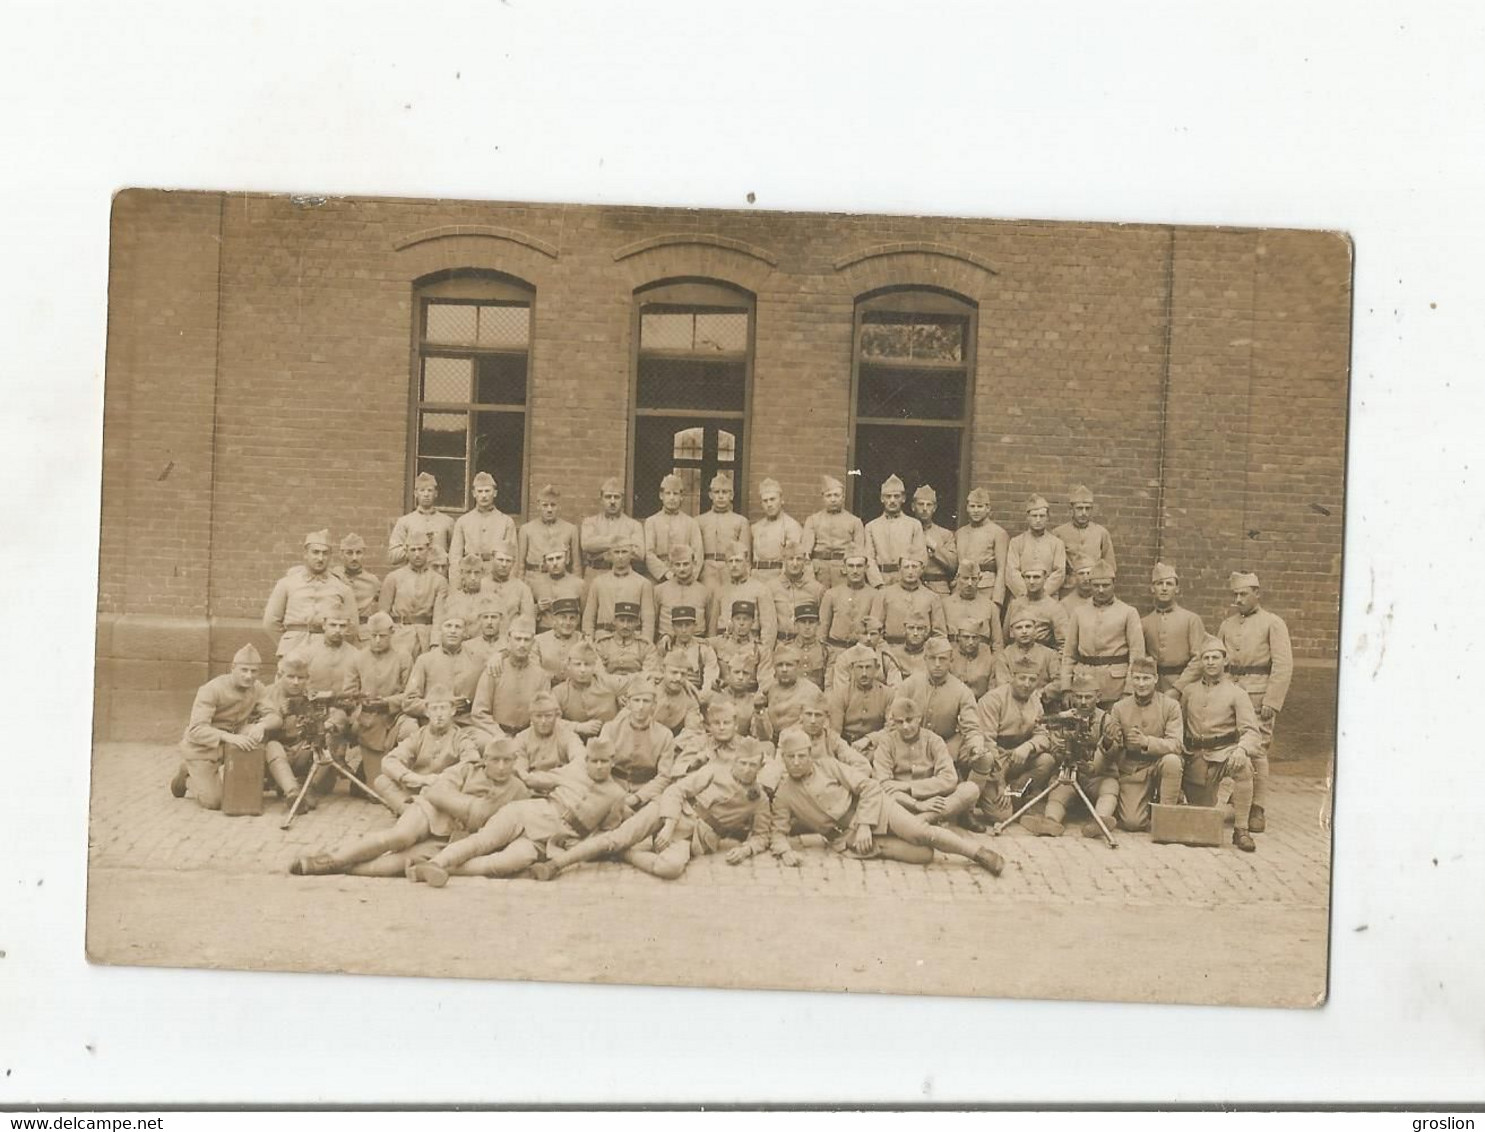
[
  {"x": 1011, "y": 742},
  {"x": 837, "y": 643},
  {"x": 1213, "y": 743},
  {"x": 828, "y": 555},
  {"x": 422, "y": 619},
  {"x": 1250, "y": 669},
  {"x": 768, "y": 564},
  {"x": 715, "y": 557},
  {"x": 1170, "y": 669},
  {"x": 1103, "y": 661}
]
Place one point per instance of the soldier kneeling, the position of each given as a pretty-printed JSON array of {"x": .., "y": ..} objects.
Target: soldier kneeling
[{"x": 1086, "y": 748}]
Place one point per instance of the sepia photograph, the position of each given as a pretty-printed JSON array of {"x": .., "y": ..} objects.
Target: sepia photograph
[{"x": 719, "y": 598}]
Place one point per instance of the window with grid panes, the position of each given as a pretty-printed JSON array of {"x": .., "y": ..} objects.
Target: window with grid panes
[{"x": 474, "y": 350}]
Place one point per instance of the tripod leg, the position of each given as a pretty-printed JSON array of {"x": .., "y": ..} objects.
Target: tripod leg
[
  {"x": 1097, "y": 817},
  {"x": 1015, "y": 817},
  {"x": 309, "y": 780},
  {"x": 356, "y": 784}
]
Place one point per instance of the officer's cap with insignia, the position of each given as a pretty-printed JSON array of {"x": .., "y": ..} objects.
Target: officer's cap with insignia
[
  {"x": 484, "y": 479},
  {"x": 626, "y": 609},
  {"x": 744, "y": 608},
  {"x": 317, "y": 538},
  {"x": 770, "y": 485},
  {"x": 295, "y": 664},
  {"x": 1242, "y": 580},
  {"x": 1101, "y": 571},
  {"x": 353, "y": 542},
  {"x": 439, "y": 694},
  {"x": 1083, "y": 682},
  {"x": 925, "y": 492},
  {"x": 379, "y": 622},
  {"x": 611, "y": 486},
  {"x": 892, "y": 483},
  {"x": 1211, "y": 643},
  {"x": 809, "y": 611},
  {"x": 425, "y": 479},
  {"x": 830, "y": 483},
  {"x": 548, "y": 494},
  {"x": 937, "y": 646},
  {"x": 566, "y": 605},
  {"x": 672, "y": 482},
  {"x": 720, "y": 482},
  {"x": 1080, "y": 494},
  {"x": 246, "y": 655},
  {"x": 979, "y": 495},
  {"x": 1036, "y": 502},
  {"x": 1163, "y": 572},
  {"x": 683, "y": 614},
  {"x": 1145, "y": 664}
]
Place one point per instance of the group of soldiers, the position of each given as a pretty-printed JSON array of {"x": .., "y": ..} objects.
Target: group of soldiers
[{"x": 527, "y": 698}]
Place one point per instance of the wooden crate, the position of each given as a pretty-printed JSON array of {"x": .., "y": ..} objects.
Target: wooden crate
[
  {"x": 1186, "y": 825},
  {"x": 242, "y": 783}
]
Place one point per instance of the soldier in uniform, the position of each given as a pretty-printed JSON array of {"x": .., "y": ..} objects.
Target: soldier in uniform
[
  {"x": 795, "y": 586},
  {"x": 985, "y": 543},
  {"x": 1099, "y": 777},
  {"x": 1084, "y": 537},
  {"x": 451, "y": 664},
  {"x": 738, "y": 691},
  {"x": 858, "y": 706},
  {"x": 847, "y": 605},
  {"x": 296, "y": 609},
  {"x": 468, "y": 597},
  {"x": 1025, "y": 648},
  {"x": 721, "y": 528},
  {"x": 511, "y": 595},
  {"x": 1261, "y": 662},
  {"x": 547, "y": 532},
  {"x": 773, "y": 532},
  {"x": 702, "y": 666},
  {"x": 589, "y": 697},
  {"x": 600, "y": 533},
  {"x": 814, "y": 654},
  {"x": 911, "y": 655},
  {"x": 889, "y": 671},
  {"x": 549, "y": 742},
  {"x": 947, "y": 705},
  {"x": 1050, "y": 618},
  {"x": 968, "y": 604},
  {"x": 365, "y": 585},
  {"x": 375, "y": 684},
  {"x": 814, "y": 721},
  {"x": 1035, "y": 546},
  {"x": 489, "y": 637},
  {"x": 891, "y": 535},
  {"x": 942, "y": 558},
  {"x": 830, "y": 532},
  {"x": 551, "y": 584},
  {"x": 642, "y": 745},
  {"x": 554, "y": 646},
  {"x": 332, "y": 657},
  {"x": 1173, "y": 634},
  {"x": 1102, "y": 638},
  {"x": 480, "y": 530},
  {"x": 624, "y": 652},
  {"x": 915, "y": 768},
  {"x": 417, "y": 761},
  {"x": 458, "y": 801},
  {"x": 849, "y": 809},
  {"x": 1222, "y": 732},
  {"x": 1011, "y": 718},
  {"x": 680, "y": 588},
  {"x": 574, "y": 801},
  {"x": 785, "y": 697},
  {"x": 738, "y": 644},
  {"x": 287, "y": 750},
  {"x": 677, "y": 705},
  {"x": 512, "y": 676},
  {"x": 899, "y": 600},
  {"x": 619, "y": 585},
  {"x": 411, "y": 594},
  {"x": 1080, "y": 582},
  {"x": 668, "y": 529},
  {"x": 227, "y": 712},
  {"x": 972, "y": 663},
  {"x": 424, "y": 519},
  {"x": 1149, "y": 738}
]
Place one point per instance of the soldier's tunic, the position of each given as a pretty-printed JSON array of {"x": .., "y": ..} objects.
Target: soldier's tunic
[
  {"x": 949, "y": 710},
  {"x": 1008, "y": 722},
  {"x": 220, "y": 709},
  {"x": 787, "y": 593},
  {"x": 719, "y": 530},
  {"x": 1052, "y": 620},
  {"x": 597, "y": 536},
  {"x": 409, "y": 598},
  {"x": 888, "y": 538},
  {"x": 921, "y": 769},
  {"x": 366, "y": 587},
  {"x": 755, "y": 658},
  {"x": 976, "y": 672},
  {"x": 717, "y": 806},
  {"x": 842, "y": 610},
  {"x": 1261, "y": 662},
  {"x": 639, "y": 753},
  {"x": 479, "y": 533},
  {"x": 743, "y": 704},
  {"x": 552, "y": 651},
  {"x": 664, "y": 531},
  {"x": 605, "y": 590},
  {"x": 459, "y": 671},
  {"x": 1029, "y": 550},
  {"x": 856, "y": 713},
  {"x": 422, "y": 753},
  {"x": 503, "y": 695},
  {"x": 671, "y": 593},
  {"x": 1048, "y": 665},
  {"x": 987, "y": 543},
  {"x": 435, "y": 524},
  {"x": 299, "y": 604},
  {"x": 469, "y": 781},
  {"x": 1071, "y": 600},
  {"x": 329, "y": 665},
  {"x": 889, "y": 669},
  {"x": 702, "y": 666},
  {"x": 537, "y": 538},
  {"x": 461, "y": 603},
  {"x": 895, "y": 603},
  {"x": 622, "y": 657},
  {"x": 382, "y": 677},
  {"x": 1140, "y": 772},
  {"x": 943, "y": 558},
  {"x": 484, "y": 647},
  {"x": 678, "y": 711},
  {"x": 909, "y": 659},
  {"x": 546, "y": 589},
  {"x": 770, "y": 536},
  {"x": 1092, "y": 541},
  {"x": 1173, "y": 637},
  {"x": 1101, "y": 641},
  {"x": 827, "y": 537},
  {"x": 785, "y": 706},
  {"x": 513, "y": 598},
  {"x": 814, "y": 663},
  {"x": 979, "y": 614},
  {"x": 766, "y": 622},
  {"x": 537, "y": 753},
  {"x": 596, "y": 700},
  {"x": 1222, "y": 735}
]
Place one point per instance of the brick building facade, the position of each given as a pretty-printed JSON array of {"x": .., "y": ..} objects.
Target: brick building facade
[{"x": 265, "y": 353}]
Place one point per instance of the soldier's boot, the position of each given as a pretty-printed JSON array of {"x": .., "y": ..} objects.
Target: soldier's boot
[
  {"x": 1042, "y": 826},
  {"x": 1105, "y": 807},
  {"x": 288, "y": 785},
  {"x": 992, "y": 806},
  {"x": 1256, "y": 821},
  {"x": 972, "y": 821},
  {"x": 1241, "y": 839},
  {"x": 178, "y": 783},
  {"x": 989, "y": 860},
  {"x": 315, "y": 865},
  {"x": 426, "y": 872}
]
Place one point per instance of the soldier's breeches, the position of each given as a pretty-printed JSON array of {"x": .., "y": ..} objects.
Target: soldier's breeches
[
  {"x": 1104, "y": 791},
  {"x": 204, "y": 776},
  {"x": 1203, "y": 779},
  {"x": 915, "y": 831},
  {"x": 280, "y": 769},
  {"x": 668, "y": 864},
  {"x": 1040, "y": 766},
  {"x": 1137, "y": 789},
  {"x": 394, "y": 795},
  {"x": 891, "y": 848},
  {"x": 1260, "y": 760},
  {"x": 962, "y": 800},
  {"x": 493, "y": 836},
  {"x": 393, "y": 865},
  {"x": 514, "y": 858},
  {"x": 409, "y": 829}
]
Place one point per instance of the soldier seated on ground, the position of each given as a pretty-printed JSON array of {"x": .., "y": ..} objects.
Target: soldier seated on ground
[
  {"x": 417, "y": 761},
  {"x": 549, "y": 742},
  {"x": 459, "y": 800},
  {"x": 717, "y": 808},
  {"x": 1095, "y": 765},
  {"x": 1010, "y": 718},
  {"x": 849, "y": 810},
  {"x": 225, "y": 715},
  {"x": 915, "y": 768}
]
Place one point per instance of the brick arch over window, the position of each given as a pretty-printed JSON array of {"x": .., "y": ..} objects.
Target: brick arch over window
[
  {"x": 727, "y": 263},
  {"x": 901, "y": 265},
  {"x": 423, "y": 258}
]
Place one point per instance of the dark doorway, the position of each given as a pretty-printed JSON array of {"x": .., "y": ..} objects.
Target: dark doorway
[
  {"x": 694, "y": 449},
  {"x": 916, "y": 455}
]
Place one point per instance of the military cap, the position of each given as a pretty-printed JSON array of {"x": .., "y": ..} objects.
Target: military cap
[
  {"x": 318, "y": 538},
  {"x": 1210, "y": 642},
  {"x": 853, "y": 552},
  {"x": 672, "y": 482},
  {"x": 626, "y": 609},
  {"x": 1033, "y": 568},
  {"x": 419, "y": 538},
  {"x": 379, "y": 622},
  {"x": 470, "y": 563},
  {"x": 1101, "y": 572},
  {"x": 545, "y": 701},
  {"x": 610, "y": 486},
  {"x": 912, "y": 556},
  {"x": 566, "y": 605},
  {"x": 870, "y": 622},
  {"x": 459, "y": 617},
  {"x": 1020, "y": 618},
  {"x": 937, "y": 646},
  {"x": 1080, "y": 562},
  {"x": 787, "y": 653},
  {"x": 425, "y": 479},
  {"x": 640, "y": 685},
  {"x": 484, "y": 479},
  {"x": 601, "y": 746},
  {"x": 859, "y": 654},
  {"x": 1035, "y": 502},
  {"x": 683, "y": 613},
  {"x": 736, "y": 548},
  {"x": 809, "y": 611},
  {"x": 748, "y": 608},
  {"x": 296, "y": 664},
  {"x": 892, "y": 483},
  {"x": 1241, "y": 580},
  {"x": 926, "y": 492},
  {"x": 353, "y": 542},
  {"x": 1023, "y": 664},
  {"x": 793, "y": 739},
  {"x": 583, "y": 650},
  {"x": 720, "y": 482},
  {"x": 968, "y": 569},
  {"x": 548, "y": 493},
  {"x": 680, "y": 552},
  {"x": 623, "y": 544},
  {"x": 439, "y": 694},
  {"x": 979, "y": 495},
  {"x": 246, "y": 655},
  {"x": 770, "y": 484},
  {"x": 1083, "y": 682},
  {"x": 916, "y": 617},
  {"x": 830, "y": 483},
  {"x": 524, "y": 623},
  {"x": 1144, "y": 664},
  {"x": 792, "y": 547},
  {"x": 504, "y": 746},
  {"x": 975, "y": 627},
  {"x": 1163, "y": 571},
  {"x": 904, "y": 708},
  {"x": 1080, "y": 494},
  {"x": 676, "y": 658}
]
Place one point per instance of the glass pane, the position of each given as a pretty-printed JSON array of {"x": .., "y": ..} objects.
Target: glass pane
[
  {"x": 446, "y": 379},
  {"x": 885, "y": 391},
  {"x": 504, "y": 326},
  {"x": 923, "y": 338},
  {"x": 722, "y": 331},
  {"x": 443, "y": 434},
  {"x": 500, "y": 448},
  {"x": 726, "y": 447},
  {"x": 885, "y": 340},
  {"x": 691, "y": 383},
  {"x": 450, "y": 477},
  {"x": 502, "y": 380},
  {"x": 667, "y": 331},
  {"x": 451, "y": 323},
  {"x": 688, "y": 444},
  {"x": 940, "y": 341},
  {"x": 690, "y": 490}
]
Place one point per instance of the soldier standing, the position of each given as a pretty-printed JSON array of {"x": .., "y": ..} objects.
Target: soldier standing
[
  {"x": 846, "y": 605},
  {"x": 792, "y": 588},
  {"x": 1173, "y": 634},
  {"x": 1083, "y": 536},
  {"x": 546, "y": 533},
  {"x": 942, "y": 558},
  {"x": 985, "y": 543},
  {"x": 669, "y": 528},
  {"x": 600, "y": 533},
  {"x": 891, "y": 535},
  {"x": 830, "y": 532},
  {"x": 773, "y": 532},
  {"x": 480, "y": 530},
  {"x": 681, "y": 588},
  {"x": 1036, "y": 546},
  {"x": 423, "y": 519},
  {"x": 743, "y": 586},
  {"x": 721, "y": 528},
  {"x": 1102, "y": 638},
  {"x": 411, "y": 594},
  {"x": 301, "y": 599},
  {"x": 365, "y": 585},
  {"x": 551, "y": 584},
  {"x": 1261, "y": 662}
]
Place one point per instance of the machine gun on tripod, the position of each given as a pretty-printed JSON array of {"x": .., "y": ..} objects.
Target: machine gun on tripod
[
  {"x": 325, "y": 744},
  {"x": 1077, "y": 745}
]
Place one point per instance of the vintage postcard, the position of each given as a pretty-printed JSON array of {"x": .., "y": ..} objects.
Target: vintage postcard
[{"x": 719, "y": 598}]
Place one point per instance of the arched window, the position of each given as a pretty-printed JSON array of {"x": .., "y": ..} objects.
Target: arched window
[
  {"x": 912, "y": 395},
  {"x": 693, "y": 369},
  {"x": 469, "y": 385}
]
